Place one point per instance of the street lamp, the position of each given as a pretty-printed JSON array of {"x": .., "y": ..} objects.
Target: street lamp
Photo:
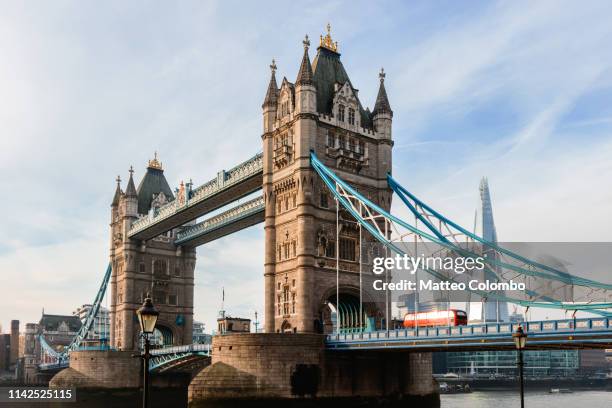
[
  {"x": 520, "y": 339},
  {"x": 147, "y": 316}
]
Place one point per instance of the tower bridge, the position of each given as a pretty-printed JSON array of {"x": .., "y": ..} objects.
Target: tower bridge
[{"x": 326, "y": 189}]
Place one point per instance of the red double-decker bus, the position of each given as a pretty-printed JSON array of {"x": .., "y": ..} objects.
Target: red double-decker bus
[{"x": 452, "y": 317}]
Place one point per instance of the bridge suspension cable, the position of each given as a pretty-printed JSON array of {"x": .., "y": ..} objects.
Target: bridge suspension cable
[
  {"x": 62, "y": 357},
  {"x": 375, "y": 220}
]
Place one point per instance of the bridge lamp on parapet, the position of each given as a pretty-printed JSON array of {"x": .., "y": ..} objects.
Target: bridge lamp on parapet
[
  {"x": 520, "y": 340},
  {"x": 147, "y": 316}
]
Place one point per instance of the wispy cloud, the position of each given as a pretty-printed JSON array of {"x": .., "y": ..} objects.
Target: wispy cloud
[{"x": 519, "y": 92}]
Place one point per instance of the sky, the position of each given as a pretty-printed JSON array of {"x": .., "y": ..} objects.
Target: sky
[{"x": 520, "y": 92}]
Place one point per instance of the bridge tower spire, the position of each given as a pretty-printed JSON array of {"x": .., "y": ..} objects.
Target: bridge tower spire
[{"x": 320, "y": 112}]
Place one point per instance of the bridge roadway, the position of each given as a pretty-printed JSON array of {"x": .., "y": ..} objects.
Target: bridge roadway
[
  {"x": 542, "y": 335},
  {"x": 227, "y": 187},
  {"x": 549, "y": 334}
]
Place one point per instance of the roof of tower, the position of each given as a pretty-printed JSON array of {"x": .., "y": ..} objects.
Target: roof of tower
[
  {"x": 118, "y": 193},
  {"x": 382, "y": 101},
  {"x": 130, "y": 190},
  {"x": 304, "y": 76},
  {"x": 327, "y": 71},
  {"x": 153, "y": 183},
  {"x": 272, "y": 93}
]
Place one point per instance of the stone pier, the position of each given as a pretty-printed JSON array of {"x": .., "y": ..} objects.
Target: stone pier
[{"x": 276, "y": 369}]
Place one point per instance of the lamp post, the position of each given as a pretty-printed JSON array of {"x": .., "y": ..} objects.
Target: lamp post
[
  {"x": 520, "y": 339},
  {"x": 147, "y": 316}
]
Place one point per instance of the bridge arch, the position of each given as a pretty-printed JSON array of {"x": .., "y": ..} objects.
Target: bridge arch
[{"x": 348, "y": 309}]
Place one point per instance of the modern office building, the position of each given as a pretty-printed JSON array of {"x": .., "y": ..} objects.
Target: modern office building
[
  {"x": 492, "y": 310},
  {"x": 199, "y": 336},
  {"x": 101, "y": 325},
  {"x": 541, "y": 363}
]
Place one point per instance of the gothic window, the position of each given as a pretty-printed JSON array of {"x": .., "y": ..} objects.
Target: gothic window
[
  {"x": 331, "y": 140},
  {"x": 351, "y": 116},
  {"x": 286, "y": 249},
  {"x": 293, "y": 248},
  {"x": 294, "y": 201},
  {"x": 177, "y": 271},
  {"x": 160, "y": 267},
  {"x": 279, "y": 209},
  {"x": 286, "y": 203},
  {"x": 286, "y": 300},
  {"x": 293, "y": 282},
  {"x": 293, "y": 302},
  {"x": 324, "y": 203},
  {"x": 279, "y": 255},
  {"x": 142, "y": 267},
  {"x": 352, "y": 144},
  {"x": 347, "y": 249},
  {"x": 361, "y": 148},
  {"x": 330, "y": 249},
  {"x": 341, "y": 113},
  {"x": 279, "y": 287}
]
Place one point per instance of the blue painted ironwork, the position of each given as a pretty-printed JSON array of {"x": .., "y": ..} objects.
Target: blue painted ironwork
[
  {"x": 221, "y": 220},
  {"x": 570, "y": 333},
  {"x": 168, "y": 356},
  {"x": 361, "y": 209},
  {"x": 63, "y": 356}
]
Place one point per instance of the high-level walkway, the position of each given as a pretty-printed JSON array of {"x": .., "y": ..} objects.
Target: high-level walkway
[{"x": 224, "y": 189}]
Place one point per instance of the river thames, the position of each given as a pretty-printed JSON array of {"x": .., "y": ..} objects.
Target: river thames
[{"x": 533, "y": 399}]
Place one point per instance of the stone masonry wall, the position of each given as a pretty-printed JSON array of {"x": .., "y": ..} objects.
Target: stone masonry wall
[
  {"x": 100, "y": 369},
  {"x": 270, "y": 365}
]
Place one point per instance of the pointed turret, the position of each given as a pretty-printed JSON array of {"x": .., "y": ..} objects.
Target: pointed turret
[
  {"x": 271, "y": 101},
  {"x": 305, "y": 90},
  {"x": 118, "y": 193},
  {"x": 304, "y": 76},
  {"x": 272, "y": 94},
  {"x": 382, "y": 101},
  {"x": 130, "y": 191},
  {"x": 382, "y": 115}
]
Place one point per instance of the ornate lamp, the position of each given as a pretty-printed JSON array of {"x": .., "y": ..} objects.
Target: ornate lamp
[
  {"x": 520, "y": 338},
  {"x": 147, "y": 316}
]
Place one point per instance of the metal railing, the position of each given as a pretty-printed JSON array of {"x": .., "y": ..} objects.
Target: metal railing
[
  {"x": 224, "y": 179},
  {"x": 217, "y": 221},
  {"x": 478, "y": 330}
]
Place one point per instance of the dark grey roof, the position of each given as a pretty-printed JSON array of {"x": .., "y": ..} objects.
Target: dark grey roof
[
  {"x": 153, "y": 183},
  {"x": 327, "y": 71},
  {"x": 117, "y": 196},
  {"x": 130, "y": 191},
  {"x": 382, "y": 101},
  {"x": 304, "y": 76},
  {"x": 272, "y": 93},
  {"x": 52, "y": 322}
]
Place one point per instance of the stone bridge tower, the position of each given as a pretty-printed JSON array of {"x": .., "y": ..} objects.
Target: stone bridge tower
[
  {"x": 156, "y": 266},
  {"x": 321, "y": 112}
]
